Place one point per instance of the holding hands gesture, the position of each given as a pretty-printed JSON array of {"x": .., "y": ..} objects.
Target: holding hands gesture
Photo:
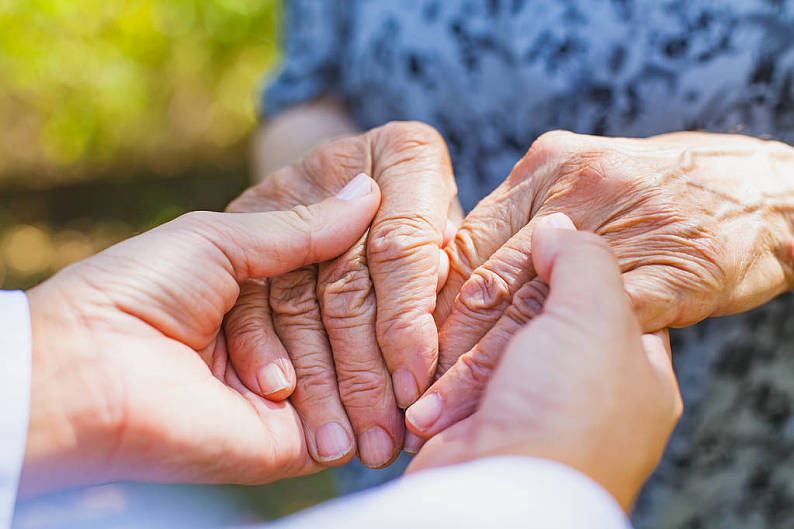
[{"x": 271, "y": 342}]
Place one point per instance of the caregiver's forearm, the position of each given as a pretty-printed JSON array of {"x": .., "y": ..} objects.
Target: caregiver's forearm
[{"x": 291, "y": 134}]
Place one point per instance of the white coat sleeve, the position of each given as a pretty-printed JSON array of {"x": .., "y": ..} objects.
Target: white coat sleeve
[
  {"x": 15, "y": 369},
  {"x": 497, "y": 492}
]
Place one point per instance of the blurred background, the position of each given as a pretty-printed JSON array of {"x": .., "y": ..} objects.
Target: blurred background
[{"x": 115, "y": 117}]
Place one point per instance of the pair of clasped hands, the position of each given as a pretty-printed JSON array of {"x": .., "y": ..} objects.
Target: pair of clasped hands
[{"x": 291, "y": 333}]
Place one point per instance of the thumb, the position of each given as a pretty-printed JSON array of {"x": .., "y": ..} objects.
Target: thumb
[
  {"x": 262, "y": 245},
  {"x": 580, "y": 269}
]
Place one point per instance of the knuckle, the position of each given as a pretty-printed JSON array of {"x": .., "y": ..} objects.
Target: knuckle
[
  {"x": 555, "y": 138},
  {"x": 244, "y": 340},
  {"x": 395, "y": 324},
  {"x": 475, "y": 370},
  {"x": 464, "y": 257},
  {"x": 362, "y": 388},
  {"x": 300, "y": 329},
  {"x": 350, "y": 295},
  {"x": 243, "y": 344},
  {"x": 244, "y": 320},
  {"x": 589, "y": 171},
  {"x": 294, "y": 295},
  {"x": 528, "y": 302},
  {"x": 466, "y": 319},
  {"x": 315, "y": 381},
  {"x": 550, "y": 144},
  {"x": 557, "y": 154},
  {"x": 400, "y": 238},
  {"x": 415, "y": 143},
  {"x": 485, "y": 290},
  {"x": 397, "y": 328}
]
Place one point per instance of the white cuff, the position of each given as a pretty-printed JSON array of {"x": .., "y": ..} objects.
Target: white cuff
[
  {"x": 496, "y": 492},
  {"x": 15, "y": 368}
]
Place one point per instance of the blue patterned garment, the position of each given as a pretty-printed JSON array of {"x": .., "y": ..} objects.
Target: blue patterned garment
[{"x": 491, "y": 75}]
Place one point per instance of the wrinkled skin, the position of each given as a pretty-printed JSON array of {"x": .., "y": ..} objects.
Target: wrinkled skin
[
  {"x": 350, "y": 361},
  {"x": 131, "y": 377},
  {"x": 580, "y": 384},
  {"x": 701, "y": 225}
]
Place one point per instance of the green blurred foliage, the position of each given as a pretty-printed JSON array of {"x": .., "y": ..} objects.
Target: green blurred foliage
[
  {"x": 91, "y": 87},
  {"x": 116, "y": 116}
]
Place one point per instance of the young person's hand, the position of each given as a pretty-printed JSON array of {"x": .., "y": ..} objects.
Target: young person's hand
[
  {"x": 131, "y": 376},
  {"x": 579, "y": 384}
]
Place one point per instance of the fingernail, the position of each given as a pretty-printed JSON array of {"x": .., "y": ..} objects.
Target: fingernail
[
  {"x": 559, "y": 221},
  {"x": 333, "y": 441},
  {"x": 358, "y": 187},
  {"x": 375, "y": 447},
  {"x": 412, "y": 443},
  {"x": 425, "y": 411},
  {"x": 272, "y": 379},
  {"x": 406, "y": 391}
]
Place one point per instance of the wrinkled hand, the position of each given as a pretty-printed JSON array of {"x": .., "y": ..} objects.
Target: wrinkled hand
[
  {"x": 579, "y": 384},
  {"x": 700, "y": 224},
  {"x": 131, "y": 378},
  {"x": 351, "y": 360}
]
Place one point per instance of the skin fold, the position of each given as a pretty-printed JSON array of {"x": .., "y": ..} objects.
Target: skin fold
[{"x": 701, "y": 225}]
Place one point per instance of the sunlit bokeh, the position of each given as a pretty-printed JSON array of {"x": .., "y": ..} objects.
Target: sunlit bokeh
[{"x": 120, "y": 97}]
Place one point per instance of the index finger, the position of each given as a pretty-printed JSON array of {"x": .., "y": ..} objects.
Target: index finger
[{"x": 412, "y": 165}]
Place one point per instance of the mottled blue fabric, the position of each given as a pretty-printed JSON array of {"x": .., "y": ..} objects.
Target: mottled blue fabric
[{"x": 491, "y": 75}]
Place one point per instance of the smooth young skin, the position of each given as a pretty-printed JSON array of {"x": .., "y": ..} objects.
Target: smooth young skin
[
  {"x": 580, "y": 384},
  {"x": 131, "y": 376},
  {"x": 701, "y": 225},
  {"x": 352, "y": 362}
]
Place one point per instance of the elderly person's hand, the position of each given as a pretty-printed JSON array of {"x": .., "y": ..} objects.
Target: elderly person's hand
[
  {"x": 131, "y": 378},
  {"x": 579, "y": 385},
  {"x": 700, "y": 224},
  {"x": 352, "y": 361}
]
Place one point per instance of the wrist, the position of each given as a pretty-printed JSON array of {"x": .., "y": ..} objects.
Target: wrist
[{"x": 74, "y": 408}]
